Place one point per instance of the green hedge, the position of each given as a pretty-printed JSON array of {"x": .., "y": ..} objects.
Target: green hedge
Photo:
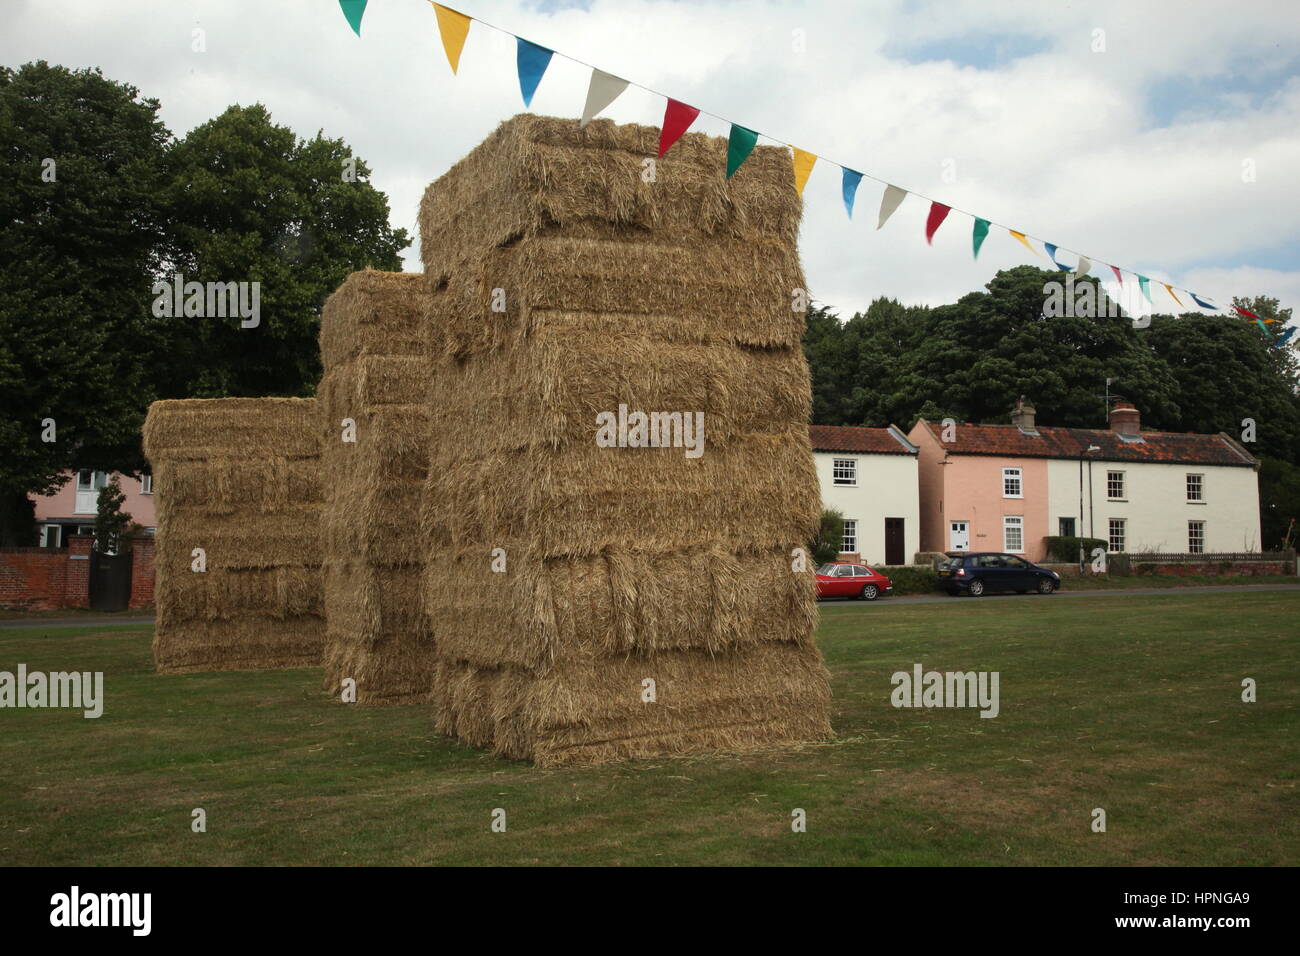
[
  {"x": 911, "y": 578},
  {"x": 1065, "y": 549}
]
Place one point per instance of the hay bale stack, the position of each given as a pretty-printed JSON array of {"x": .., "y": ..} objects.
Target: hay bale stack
[
  {"x": 622, "y": 564},
  {"x": 377, "y": 632},
  {"x": 239, "y": 478}
]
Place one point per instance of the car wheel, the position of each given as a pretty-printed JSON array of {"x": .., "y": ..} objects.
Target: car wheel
[
  {"x": 1046, "y": 586},
  {"x": 976, "y": 588},
  {"x": 870, "y": 592}
]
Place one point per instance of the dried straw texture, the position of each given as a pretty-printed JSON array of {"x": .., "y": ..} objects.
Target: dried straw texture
[
  {"x": 372, "y": 344},
  {"x": 239, "y": 478},
  {"x": 562, "y": 286}
]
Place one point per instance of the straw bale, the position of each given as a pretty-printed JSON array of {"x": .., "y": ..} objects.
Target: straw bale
[
  {"x": 372, "y": 312},
  {"x": 240, "y": 479}
]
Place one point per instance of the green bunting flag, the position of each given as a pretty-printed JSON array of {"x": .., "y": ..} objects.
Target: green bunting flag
[
  {"x": 1142, "y": 282},
  {"x": 739, "y": 145},
  {"x": 354, "y": 10},
  {"x": 980, "y": 233}
]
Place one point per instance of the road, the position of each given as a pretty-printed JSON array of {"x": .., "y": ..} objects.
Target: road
[{"x": 142, "y": 621}]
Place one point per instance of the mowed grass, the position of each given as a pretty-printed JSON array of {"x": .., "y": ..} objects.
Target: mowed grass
[{"x": 1132, "y": 704}]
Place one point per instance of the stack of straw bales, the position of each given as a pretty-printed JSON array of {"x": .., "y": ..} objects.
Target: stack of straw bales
[
  {"x": 377, "y": 632},
  {"x": 622, "y": 565},
  {"x": 239, "y": 478}
]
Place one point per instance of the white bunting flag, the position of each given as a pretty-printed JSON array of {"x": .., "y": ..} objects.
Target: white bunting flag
[
  {"x": 889, "y": 202},
  {"x": 604, "y": 89}
]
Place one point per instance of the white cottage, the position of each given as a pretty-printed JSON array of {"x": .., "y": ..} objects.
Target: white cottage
[{"x": 870, "y": 476}]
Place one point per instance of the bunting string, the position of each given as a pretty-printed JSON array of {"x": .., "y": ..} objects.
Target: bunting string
[{"x": 532, "y": 61}]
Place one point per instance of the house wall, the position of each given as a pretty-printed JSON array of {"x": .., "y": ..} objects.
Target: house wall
[
  {"x": 62, "y": 504},
  {"x": 886, "y": 488},
  {"x": 1156, "y": 509},
  {"x": 930, "y": 472},
  {"x": 972, "y": 491}
]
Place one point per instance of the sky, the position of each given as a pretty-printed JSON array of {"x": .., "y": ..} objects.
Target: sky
[{"x": 1160, "y": 136}]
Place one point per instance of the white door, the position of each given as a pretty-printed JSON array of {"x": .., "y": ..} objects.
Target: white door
[
  {"x": 88, "y": 485},
  {"x": 958, "y": 536}
]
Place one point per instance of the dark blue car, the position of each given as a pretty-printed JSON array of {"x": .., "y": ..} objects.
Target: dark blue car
[{"x": 988, "y": 572}]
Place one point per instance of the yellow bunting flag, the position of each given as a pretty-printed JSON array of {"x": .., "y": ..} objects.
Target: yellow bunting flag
[
  {"x": 1020, "y": 237},
  {"x": 1171, "y": 293},
  {"x": 803, "y": 164},
  {"x": 454, "y": 28}
]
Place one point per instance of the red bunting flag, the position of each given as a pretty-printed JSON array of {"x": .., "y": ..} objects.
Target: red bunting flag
[
  {"x": 1241, "y": 311},
  {"x": 678, "y": 118},
  {"x": 938, "y": 213},
  {"x": 1119, "y": 276}
]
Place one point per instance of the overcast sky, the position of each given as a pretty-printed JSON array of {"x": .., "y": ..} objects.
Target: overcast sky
[{"x": 1137, "y": 155}]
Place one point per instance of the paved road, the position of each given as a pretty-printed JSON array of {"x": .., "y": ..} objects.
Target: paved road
[
  {"x": 1114, "y": 592},
  {"x": 141, "y": 621}
]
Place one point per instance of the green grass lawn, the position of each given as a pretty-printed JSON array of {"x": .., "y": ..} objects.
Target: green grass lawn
[{"x": 1127, "y": 703}]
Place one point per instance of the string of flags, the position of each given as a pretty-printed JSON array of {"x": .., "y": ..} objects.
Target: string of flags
[{"x": 532, "y": 61}]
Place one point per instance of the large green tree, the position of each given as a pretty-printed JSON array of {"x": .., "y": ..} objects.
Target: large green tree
[
  {"x": 81, "y": 184},
  {"x": 252, "y": 202}
]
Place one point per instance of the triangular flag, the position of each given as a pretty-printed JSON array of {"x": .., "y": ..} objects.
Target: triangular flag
[
  {"x": 739, "y": 145},
  {"x": 604, "y": 89},
  {"x": 532, "y": 61},
  {"x": 1285, "y": 336},
  {"x": 354, "y": 10},
  {"x": 1051, "y": 254},
  {"x": 1171, "y": 293},
  {"x": 1020, "y": 238},
  {"x": 803, "y": 164},
  {"x": 1085, "y": 264},
  {"x": 889, "y": 202},
  {"x": 980, "y": 234},
  {"x": 454, "y": 28},
  {"x": 849, "y": 187},
  {"x": 1142, "y": 283},
  {"x": 1241, "y": 311},
  {"x": 1119, "y": 276},
  {"x": 1201, "y": 302},
  {"x": 938, "y": 213},
  {"x": 678, "y": 118}
]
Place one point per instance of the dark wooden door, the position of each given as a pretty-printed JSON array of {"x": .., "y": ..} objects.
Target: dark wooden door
[
  {"x": 110, "y": 581},
  {"x": 894, "y": 553}
]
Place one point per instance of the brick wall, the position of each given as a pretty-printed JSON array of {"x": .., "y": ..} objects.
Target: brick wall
[
  {"x": 44, "y": 579},
  {"x": 142, "y": 550},
  {"x": 1234, "y": 569}
]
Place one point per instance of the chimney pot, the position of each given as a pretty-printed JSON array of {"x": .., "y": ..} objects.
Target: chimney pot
[{"x": 1125, "y": 419}]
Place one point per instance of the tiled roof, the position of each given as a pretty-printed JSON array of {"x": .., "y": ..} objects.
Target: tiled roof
[
  {"x": 871, "y": 441},
  {"x": 1172, "y": 447}
]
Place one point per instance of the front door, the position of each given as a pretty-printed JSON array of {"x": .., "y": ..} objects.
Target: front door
[
  {"x": 89, "y": 484},
  {"x": 894, "y": 542},
  {"x": 959, "y": 536}
]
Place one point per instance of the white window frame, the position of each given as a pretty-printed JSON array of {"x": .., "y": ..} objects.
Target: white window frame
[
  {"x": 1010, "y": 522},
  {"x": 58, "y": 535},
  {"x": 844, "y": 472},
  {"x": 1111, "y": 536},
  {"x": 1200, "y": 487},
  {"x": 1122, "y": 481},
  {"x": 849, "y": 541},
  {"x": 1010, "y": 475},
  {"x": 146, "y": 484},
  {"x": 1193, "y": 538}
]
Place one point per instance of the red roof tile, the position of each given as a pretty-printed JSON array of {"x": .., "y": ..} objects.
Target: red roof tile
[
  {"x": 1172, "y": 447},
  {"x": 872, "y": 441}
]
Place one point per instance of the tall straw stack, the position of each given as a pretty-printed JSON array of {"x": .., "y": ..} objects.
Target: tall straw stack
[
  {"x": 596, "y": 603},
  {"x": 238, "y": 478},
  {"x": 377, "y": 632}
]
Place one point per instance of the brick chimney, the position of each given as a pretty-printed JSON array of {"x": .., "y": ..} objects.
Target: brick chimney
[
  {"x": 1023, "y": 415},
  {"x": 1125, "y": 420}
]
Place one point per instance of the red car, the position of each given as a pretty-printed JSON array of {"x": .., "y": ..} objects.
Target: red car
[{"x": 851, "y": 581}]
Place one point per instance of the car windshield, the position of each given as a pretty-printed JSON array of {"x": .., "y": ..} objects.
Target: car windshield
[
  {"x": 955, "y": 563},
  {"x": 826, "y": 570}
]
